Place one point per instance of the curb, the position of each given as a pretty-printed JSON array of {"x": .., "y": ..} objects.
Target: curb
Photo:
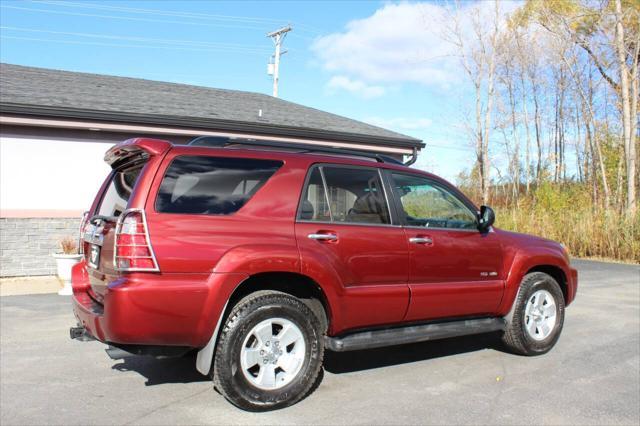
[{"x": 29, "y": 285}]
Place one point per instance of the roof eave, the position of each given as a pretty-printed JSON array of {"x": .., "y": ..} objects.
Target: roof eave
[{"x": 206, "y": 124}]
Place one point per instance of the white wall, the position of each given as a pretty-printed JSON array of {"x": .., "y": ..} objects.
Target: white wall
[{"x": 50, "y": 174}]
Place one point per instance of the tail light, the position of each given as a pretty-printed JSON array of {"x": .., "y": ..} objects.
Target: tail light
[
  {"x": 83, "y": 224},
  {"x": 132, "y": 251}
]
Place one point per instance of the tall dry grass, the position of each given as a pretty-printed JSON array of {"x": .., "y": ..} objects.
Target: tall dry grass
[{"x": 566, "y": 214}]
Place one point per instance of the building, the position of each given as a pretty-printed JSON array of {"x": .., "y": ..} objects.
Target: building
[{"x": 56, "y": 125}]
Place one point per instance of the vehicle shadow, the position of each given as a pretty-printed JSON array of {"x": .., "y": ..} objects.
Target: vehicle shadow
[
  {"x": 160, "y": 371},
  {"x": 182, "y": 369},
  {"x": 348, "y": 362}
]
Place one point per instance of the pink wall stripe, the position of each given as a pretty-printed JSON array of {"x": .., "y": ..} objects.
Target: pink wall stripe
[{"x": 25, "y": 213}]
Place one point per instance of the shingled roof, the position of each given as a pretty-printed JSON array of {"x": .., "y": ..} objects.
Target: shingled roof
[{"x": 65, "y": 94}]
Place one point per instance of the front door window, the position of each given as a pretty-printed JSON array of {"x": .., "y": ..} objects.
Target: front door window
[{"x": 427, "y": 204}]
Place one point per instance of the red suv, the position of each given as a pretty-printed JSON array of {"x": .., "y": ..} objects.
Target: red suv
[{"x": 261, "y": 255}]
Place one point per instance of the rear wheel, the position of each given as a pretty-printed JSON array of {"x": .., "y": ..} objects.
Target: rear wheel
[
  {"x": 269, "y": 353},
  {"x": 538, "y": 316}
]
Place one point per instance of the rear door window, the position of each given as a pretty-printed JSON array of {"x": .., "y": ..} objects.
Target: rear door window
[
  {"x": 349, "y": 195},
  {"x": 315, "y": 204},
  {"x": 212, "y": 185},
  {"x": 117, "y": 195}
]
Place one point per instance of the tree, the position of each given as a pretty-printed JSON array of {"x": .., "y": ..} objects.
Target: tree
[
  {"x": 628, "y": 88},
  {"x": 609, "y": 34},
  {"x": 478, "y": 59}
]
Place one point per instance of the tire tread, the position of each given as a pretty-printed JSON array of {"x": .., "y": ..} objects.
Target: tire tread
[
  {"x": 513, "y": 337},
  {"x": 246, "y": 305}
]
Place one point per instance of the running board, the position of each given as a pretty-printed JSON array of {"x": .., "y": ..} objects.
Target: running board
[{"x": 412, "y": 334}]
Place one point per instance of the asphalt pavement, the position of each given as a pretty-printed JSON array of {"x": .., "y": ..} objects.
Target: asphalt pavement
[{"x": 592, "y": 376}]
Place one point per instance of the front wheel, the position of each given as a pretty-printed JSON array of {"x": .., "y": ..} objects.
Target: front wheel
[
  {"x": 269, "y": 353},
  {"x": 538, "y": 316}
]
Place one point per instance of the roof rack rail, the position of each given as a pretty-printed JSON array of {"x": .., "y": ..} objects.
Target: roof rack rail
[{"x": 222, "y": 142}]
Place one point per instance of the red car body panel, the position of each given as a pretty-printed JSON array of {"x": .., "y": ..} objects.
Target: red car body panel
[
  {"x": 173, "y": 309},
  {"x": 370, "y": 276},
  {"x": 366, "y": 265},
  {"x": 460, "y": 268},
  {"x": 523, "y": 253}
]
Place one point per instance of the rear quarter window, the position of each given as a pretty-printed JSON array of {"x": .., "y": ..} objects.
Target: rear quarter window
[
  {"x": 212, "y": 185},
  {"x": 116, "y": 197}
]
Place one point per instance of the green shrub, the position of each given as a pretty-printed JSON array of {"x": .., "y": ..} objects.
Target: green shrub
[{"x": 565, "y": 213}]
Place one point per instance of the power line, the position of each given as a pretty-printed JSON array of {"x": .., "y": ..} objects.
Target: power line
[
  {"x": 230, "y": 49},
  {"x": 126, "y": 18},
  {"x": 193, "y": 15},
  {"x": 92, "y": 43},
  {"x": 181, "y": 14},
  {"x": 469, "y": 150},
  {"x": 305, "y": 37},
  {"x": 144, "y": 39}
]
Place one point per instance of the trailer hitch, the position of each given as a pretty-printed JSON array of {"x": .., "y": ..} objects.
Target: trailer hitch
[{"x": 80, "y": 333}]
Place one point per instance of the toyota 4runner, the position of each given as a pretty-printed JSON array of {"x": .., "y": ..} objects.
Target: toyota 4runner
[{"x": 261, "y": 256}]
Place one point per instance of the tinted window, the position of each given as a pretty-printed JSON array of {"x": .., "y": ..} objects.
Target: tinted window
[
  {"x": 117, "y": 195},
  {"x": 353, "y": 196},
  {"x": 212, "y": 185},
  {"x": 430, "y": 205},
  {"x": 314, "y": 204}
]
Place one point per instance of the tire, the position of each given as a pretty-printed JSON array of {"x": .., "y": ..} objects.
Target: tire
[
  {"x": 535, "y": 325},
  {"x": 255, "y": 367}
]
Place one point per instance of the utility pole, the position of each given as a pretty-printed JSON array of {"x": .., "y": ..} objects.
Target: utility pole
[{"x": 278, "y": 37}]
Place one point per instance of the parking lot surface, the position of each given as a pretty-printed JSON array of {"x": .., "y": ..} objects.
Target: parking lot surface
[{"x": 592, "y": 376}]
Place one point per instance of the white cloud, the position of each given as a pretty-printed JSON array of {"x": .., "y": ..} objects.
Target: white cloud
[
  {"x": 400, "y": 123},
  {"x": 392, "y": 45},
  {"x": 400, "y": 43},
  {"x": 357, "y": 87}
]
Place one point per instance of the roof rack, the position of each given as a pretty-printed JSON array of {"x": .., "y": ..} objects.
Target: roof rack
[{"x": 222, "y": 142}]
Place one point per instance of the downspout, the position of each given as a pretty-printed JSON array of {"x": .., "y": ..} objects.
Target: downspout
[{"x": 414, "y": 157}]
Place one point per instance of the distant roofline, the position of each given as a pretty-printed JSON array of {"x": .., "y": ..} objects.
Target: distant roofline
[
  {"x": 266, "y": 129},
  {"x": 206, "y": 124}
]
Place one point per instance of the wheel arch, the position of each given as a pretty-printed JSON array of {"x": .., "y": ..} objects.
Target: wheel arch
[
  {"x": 534, "y": 259},
  {"x": 556, "y": 273},
  {"x": 293, "y": 283}
]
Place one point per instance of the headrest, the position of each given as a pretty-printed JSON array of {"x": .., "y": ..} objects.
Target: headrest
[{"x": 307, "y": 210}]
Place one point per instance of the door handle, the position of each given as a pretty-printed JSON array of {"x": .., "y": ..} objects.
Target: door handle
[
  {"x": 323, "y": 237},
  {"x": 421, "y": 240}
]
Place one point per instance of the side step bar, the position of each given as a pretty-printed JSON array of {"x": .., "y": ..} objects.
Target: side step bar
[{"x": 412, "y": 334}]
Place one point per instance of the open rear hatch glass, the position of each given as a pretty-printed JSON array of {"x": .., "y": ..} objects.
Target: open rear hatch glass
[{"x": 99, "y": 233}]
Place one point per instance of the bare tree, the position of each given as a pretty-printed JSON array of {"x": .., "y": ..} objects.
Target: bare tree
[
  {"x": 629, "y": 94},
  {"x": 524, "y": 62},
  {"x": 587, "y": 108},
  {"x": 478, "y": 58},
  {"x": 604, "y": 30},
  {"x": 507, "y": 80},
  {"x": 558, "y": 83}
]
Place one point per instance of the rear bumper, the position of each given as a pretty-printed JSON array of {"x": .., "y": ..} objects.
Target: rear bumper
[{"x": 153, "y": 309}]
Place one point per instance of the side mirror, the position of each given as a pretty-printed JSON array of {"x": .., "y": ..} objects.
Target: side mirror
[{"x": 486, "y": 218}]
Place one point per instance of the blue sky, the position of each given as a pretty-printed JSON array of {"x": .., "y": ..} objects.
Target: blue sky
[{"x": 379, "y": 62}]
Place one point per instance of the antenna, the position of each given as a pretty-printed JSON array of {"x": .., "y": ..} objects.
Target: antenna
[{"x": 274, "y": 68}]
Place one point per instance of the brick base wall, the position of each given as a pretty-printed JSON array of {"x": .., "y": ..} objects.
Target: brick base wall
[{"x": 27, "y": 244}]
